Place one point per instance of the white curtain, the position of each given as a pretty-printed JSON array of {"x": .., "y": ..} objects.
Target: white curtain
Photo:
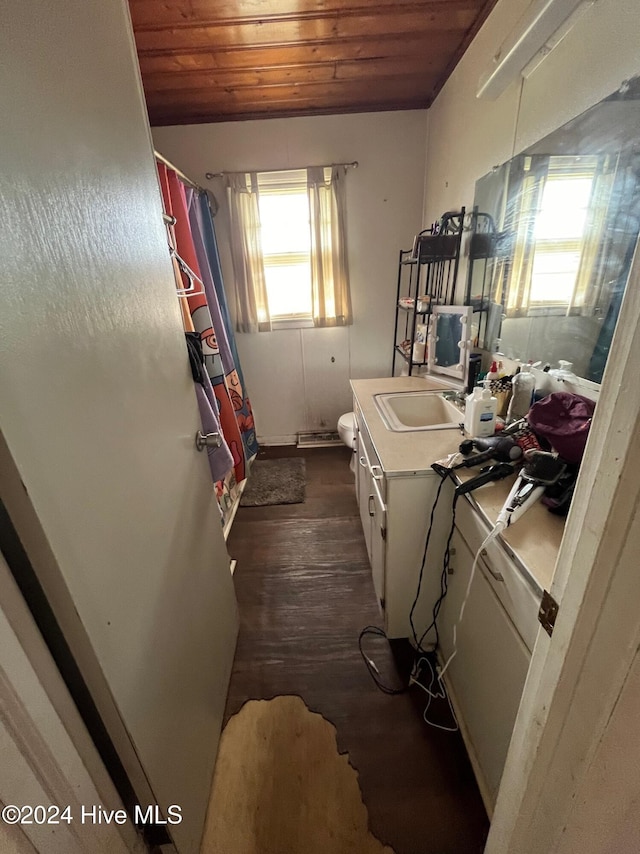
[
  {"x": 525, "y": 196},
  {"x": 591, "y": 291},
  {"x": 252, "y": 305},
  {"x": 331, "y": 297}
]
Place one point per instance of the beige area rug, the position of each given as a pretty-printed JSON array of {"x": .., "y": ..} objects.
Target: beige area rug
[{"x": 281, "y": 787}]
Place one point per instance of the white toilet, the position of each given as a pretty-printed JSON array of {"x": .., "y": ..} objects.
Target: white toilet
[{"x": 347, "y": 432}]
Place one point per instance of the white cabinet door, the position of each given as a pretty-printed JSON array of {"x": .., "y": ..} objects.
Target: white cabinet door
[
  {"x": 487, "y": 674},
  {"x": 409, "y": 501},
  {"x": 378, "y": 540},
  {"x": 98, "y": 409}
]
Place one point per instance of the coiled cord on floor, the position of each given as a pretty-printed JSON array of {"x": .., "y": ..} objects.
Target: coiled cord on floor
[{"x": 371, "y": 665}]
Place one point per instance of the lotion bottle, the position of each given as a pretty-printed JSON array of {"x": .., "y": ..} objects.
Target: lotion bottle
[
  {"x": 480, "y": 414},
  {"x": 487, "y": 411},
  {"x": 469, "y": 410}
]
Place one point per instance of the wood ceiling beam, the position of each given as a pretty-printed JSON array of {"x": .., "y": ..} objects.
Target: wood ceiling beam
[
  {"x": 302, "y": 109},
  {"x": 298, "y": 32},
  {"x": 400, "y": 87},
  {"x": 150, "y": 16},
  {"x": 265, "y": 76},
  {"x": 211, "y": 58}
]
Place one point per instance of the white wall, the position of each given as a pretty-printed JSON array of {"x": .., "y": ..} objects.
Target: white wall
[
  {"x": 98, "y": 414},
  {"x": 467, "y": 136},
  {"x": 292, "y": 381}
]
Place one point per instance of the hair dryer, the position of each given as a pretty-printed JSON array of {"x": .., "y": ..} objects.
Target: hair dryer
[
  {"x": 541, "y": 469},
  {"x": 503, "y": 449}
]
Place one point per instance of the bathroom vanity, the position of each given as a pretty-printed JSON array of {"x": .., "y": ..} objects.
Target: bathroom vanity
[{"x": 396, "y": 488}]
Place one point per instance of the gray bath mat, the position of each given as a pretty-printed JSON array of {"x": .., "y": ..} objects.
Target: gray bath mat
[{"x": 275, "y": 482}]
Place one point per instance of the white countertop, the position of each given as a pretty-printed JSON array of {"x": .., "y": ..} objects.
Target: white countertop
[
  {"x": 413, "y": 451},
  {"x": 534, "y": 540}
]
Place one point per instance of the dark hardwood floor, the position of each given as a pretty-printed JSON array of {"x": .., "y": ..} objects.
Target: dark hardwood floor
[{"x": 304, "y": 591}]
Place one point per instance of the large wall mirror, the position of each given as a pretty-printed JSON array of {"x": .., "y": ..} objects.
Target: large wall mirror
[{"x": 554, "y": 234}]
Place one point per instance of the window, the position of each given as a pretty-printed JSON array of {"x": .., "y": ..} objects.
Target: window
[
  {"x": 288, "y": 247},
  {"x": 286, "y": 243}
]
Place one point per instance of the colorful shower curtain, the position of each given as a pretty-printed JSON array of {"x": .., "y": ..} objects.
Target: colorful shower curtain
[
  {"x": 196, "y": 245},
  {"x": 204, "y": 238}
]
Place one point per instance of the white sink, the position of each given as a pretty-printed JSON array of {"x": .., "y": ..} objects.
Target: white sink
[{"x": 417, "y": 410}]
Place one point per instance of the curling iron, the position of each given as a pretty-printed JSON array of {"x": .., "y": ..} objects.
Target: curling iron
[{"x": 486, "y": 475}]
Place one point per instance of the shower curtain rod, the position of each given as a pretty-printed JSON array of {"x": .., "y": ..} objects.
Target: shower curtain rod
[
  {"x": 210, "y": 175},
  {"x": 180, "y": 174}
]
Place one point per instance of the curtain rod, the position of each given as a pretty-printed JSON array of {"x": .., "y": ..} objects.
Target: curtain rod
[
  {"x": 210, "y": 175},
  {"x": 180, "y": 174}
]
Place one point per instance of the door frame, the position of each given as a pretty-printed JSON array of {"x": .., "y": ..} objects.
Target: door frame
[
  {"x": 577, "y": 676},
  {"x": 48, "y": 754}
]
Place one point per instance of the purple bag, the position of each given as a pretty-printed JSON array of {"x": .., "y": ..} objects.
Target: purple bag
[{"x": 563, "y": 420}]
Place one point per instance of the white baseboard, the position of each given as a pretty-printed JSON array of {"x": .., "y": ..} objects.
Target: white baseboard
[{"x": 278, "y": 440}]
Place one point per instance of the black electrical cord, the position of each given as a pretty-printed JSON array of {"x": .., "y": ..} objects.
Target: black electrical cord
[
  {"x": 424, "y": 561},
  {"x": 444, "y": 582},
  {"x": 444, "y": 473},
  {"x": 376, "y": 630}
]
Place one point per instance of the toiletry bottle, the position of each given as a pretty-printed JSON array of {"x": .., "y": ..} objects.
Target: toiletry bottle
[
  {"x": 480, "y": 413},
  {"x": 487, "y": 410},
  {"x": 564, "y": 372},
  {"x": 493, "y": 373},
  {"x": 469, "y": 410},
  {"x": 523, "y": 386}
]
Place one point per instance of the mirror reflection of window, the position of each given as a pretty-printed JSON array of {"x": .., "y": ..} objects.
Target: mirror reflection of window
[
  {"x": 554, "y": 234},
  {"x": 559, "y": 232},
  {"x": 558, "y": 206}
]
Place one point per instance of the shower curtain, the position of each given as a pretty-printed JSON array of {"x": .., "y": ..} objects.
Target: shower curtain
[
  {"x": 224, "y": 366},
  {"x": 196, "y": 245}
]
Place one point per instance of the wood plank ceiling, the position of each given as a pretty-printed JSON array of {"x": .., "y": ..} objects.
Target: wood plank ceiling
[{"x": 226, "y": 60}]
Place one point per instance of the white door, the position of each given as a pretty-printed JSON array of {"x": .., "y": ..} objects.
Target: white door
[{"x": 97, "y": 405}]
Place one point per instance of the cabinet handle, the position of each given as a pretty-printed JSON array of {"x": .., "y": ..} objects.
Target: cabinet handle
[
  {"x": 371, "y": 512},
  {"x": 376, "y": 472},
  {"x": 494, "y": 573},
  {"x": 363, "y": 462}
]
